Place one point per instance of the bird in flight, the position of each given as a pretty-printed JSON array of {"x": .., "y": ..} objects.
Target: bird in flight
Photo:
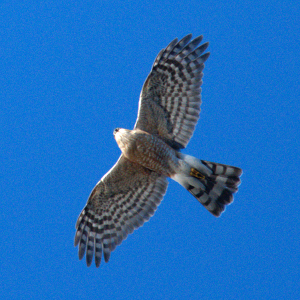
[{"x": 130, "y": 192}]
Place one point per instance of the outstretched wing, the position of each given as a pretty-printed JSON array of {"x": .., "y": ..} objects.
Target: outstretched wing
[
  {"x": 125, "y": 198},
  {"x": 170, "y": 100}
]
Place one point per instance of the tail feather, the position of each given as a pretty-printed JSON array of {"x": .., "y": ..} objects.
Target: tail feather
[
  {"x": 220, "y": 169},
  {"x": 212, "y": 184}
]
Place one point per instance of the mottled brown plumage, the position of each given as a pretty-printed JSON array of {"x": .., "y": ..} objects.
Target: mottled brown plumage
[{"x": 148, "y": 150}]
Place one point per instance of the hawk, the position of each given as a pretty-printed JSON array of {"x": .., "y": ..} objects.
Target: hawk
[{"x": 128, "y": 195}]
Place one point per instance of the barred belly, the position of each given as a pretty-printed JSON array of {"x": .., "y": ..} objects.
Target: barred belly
[{"x": 153, "y": 153}]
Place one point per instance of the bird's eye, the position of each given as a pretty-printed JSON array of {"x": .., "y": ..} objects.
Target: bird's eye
[{"x": 116, "y": 130}]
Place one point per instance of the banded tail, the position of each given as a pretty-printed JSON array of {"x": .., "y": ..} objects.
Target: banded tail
[{"x": 212, "y": 184}]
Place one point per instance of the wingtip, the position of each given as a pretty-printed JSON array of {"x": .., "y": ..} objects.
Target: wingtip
[
  {"x": 89, "y": 260},
  {"x": 205, "y": 57},
  {"x": 106, "y": 255},
  {"x": 185, "y": 40},
  {"x": 188, "y": 36},
  {"x": 198, "y": 39}
]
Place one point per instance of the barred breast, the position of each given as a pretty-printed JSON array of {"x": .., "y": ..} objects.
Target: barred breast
[{"x": 148, "y": 150}]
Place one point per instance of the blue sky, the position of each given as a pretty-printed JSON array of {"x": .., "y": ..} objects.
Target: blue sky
[{"x": 71, "y": 72}]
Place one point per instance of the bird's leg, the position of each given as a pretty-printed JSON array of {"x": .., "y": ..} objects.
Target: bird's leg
[{"x": 195, "y": 173}]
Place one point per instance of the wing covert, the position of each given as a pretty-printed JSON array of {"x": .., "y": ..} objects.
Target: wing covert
[
  {"x": 125, "y": 198},
  {"x": 170, "y": 99}
]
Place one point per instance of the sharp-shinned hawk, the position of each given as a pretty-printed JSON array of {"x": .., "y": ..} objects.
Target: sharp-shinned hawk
[{"x": 131, "y": 191}]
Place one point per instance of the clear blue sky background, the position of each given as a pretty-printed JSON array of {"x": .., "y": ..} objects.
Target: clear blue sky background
[{"x": 71, "y": 72}]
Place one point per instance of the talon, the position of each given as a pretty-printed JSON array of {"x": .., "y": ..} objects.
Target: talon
[{"x": 195, "y": 173}]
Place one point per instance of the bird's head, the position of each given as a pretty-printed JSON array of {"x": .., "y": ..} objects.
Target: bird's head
[{"x": 122, "y": 137}]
